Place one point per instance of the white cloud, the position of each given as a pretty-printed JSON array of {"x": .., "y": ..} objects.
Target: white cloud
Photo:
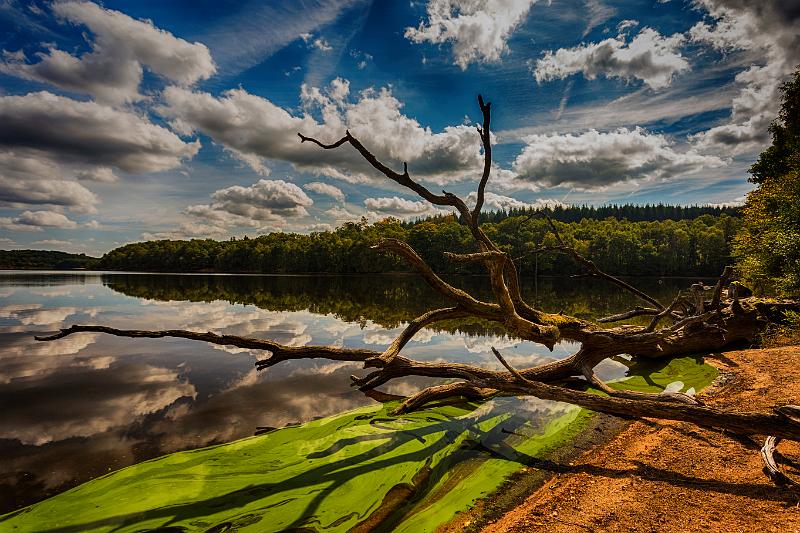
[
  {"x": 48, "y": 141},
  {"x": 100, "y": 174},
  {"x": 498, "y": 202},
  {"x": 477, "y": 29},
  {"x": 256, "y": 130},
  {"x": 321, "y": 44},
  {"x": 326, "y": 190},
  {"x": 59, "y": 244},
  {"x": 27, "y": 181},
  {"x": 649, "y": 57},
  {"x": 341, "y": 214},
  {"x": 598, "y": 13},
  {"x": 267, "y": 201},
  {"x": 188, "y": 230},
  {"x": 75, "y": 132},
  {"x": 112, "y": 70},
  {"x": 594, "y": 159},
  {"x": 362, "y": 58},
  {"x": 400, "y": 208},
  {"x": 766, "y": 34},
  {"x": 36, "y": 220}
]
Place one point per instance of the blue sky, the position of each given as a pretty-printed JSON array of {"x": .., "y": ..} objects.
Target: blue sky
[{"x": 127, "y": 120}]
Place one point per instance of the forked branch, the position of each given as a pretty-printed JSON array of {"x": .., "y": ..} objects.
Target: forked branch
[{"x": 699, "y": 326}]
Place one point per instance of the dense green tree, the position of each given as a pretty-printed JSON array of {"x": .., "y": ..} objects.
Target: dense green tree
[
  {"x": 44, "y": 260},
  {"x": 688, "y": 247},
  {"x": 768, "y": 245},
  {"x": 783, "y": 155}
]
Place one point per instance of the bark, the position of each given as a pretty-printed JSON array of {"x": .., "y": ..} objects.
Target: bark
[{"x": 701, "y": 320}]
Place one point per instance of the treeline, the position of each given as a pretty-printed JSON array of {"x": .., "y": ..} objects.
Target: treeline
[
  {"x": 44, "y": 260},
  {"x": 696, "y": 247},
  {"x": 631, "y": 212}
]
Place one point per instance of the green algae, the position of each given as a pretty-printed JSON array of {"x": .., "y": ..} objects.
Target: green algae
[{"x": 355, "y": 470}]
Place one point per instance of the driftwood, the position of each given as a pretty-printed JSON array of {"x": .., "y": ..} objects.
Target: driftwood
[{"x": 702, "y": 320}]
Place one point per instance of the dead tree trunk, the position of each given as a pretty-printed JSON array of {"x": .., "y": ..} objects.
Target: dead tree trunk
[{"x": 702, "y": 320}]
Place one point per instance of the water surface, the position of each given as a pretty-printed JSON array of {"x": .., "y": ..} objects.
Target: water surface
[{"x": 79, "y": 407}]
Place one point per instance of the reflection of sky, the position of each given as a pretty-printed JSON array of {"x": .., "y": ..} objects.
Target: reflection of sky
[{"x": 81, "y": 405}]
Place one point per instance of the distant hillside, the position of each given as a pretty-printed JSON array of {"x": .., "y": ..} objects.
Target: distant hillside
[{"x": 44, "y": 260}]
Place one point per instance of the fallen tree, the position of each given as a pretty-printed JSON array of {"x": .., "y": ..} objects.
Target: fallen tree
[{"x": 699, "y": 320}]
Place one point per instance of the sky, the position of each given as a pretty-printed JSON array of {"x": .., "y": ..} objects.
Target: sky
[{"x": 129, "y": 120}]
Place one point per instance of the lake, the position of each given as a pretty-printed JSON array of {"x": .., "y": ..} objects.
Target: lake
[{"x": 77, "y": 408}]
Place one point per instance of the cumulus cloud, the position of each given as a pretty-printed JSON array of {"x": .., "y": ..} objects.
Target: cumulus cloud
[
  {"x": 400, "y": 208},
  {"x": 120, "y": 46},
  {"x": 255, "y": 130},
  {"x": 36, "y": 221},
  {"x": 25, "y": 181},
  {"x": 593, "y": 159},
  {"x": 478, "y": 30},
  {"x": 100, "y": 174},
  {"x": 88, "y": 132},
  {"x": 326, "y": 190},
  {"x": 498, "y": 202},
  {"x": 47, "y": 140},
  {"x": 188, "y": 230},
  {"x": 264, "y": 202},
  {"x": 649, "y": 56},
  {"x": 766, "y": 34}
]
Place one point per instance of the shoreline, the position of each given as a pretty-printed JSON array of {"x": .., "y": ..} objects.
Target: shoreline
[
  {"x": 24, "y": 271},
  {"x": 517, "y": 488},
  {"x": 664, "y": 475}
]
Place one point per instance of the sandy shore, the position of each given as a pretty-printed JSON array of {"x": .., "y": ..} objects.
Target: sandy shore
[{"x": 672, "y": 476}]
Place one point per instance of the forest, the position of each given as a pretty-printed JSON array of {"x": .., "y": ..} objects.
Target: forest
[
  {"x": 44, "y": 260},
  {"x": 627, "y": 240}
]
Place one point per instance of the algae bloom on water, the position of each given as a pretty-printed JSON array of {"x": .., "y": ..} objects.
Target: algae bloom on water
[{"x": 362, "y": 470}]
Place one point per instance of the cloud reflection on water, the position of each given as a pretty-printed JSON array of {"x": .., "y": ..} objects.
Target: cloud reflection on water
[{"x": 90, "y": 402}]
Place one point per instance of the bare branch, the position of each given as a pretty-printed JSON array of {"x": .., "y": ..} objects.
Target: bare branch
[
  {"x": 443, "y": 392},
  {"x": 664, "y": 312},
  {"x": 331, "y": 146},
  {"x": 596, "y": 272},
  {"x": 771, "y": 466},
  {"x": 279, "y": 352},
  {"x": 727, "y": 273},
  {"x": 442, "y": 287},
  {"x": 476, "y": 257},
  {"x": 663, "y": 396},
  {"x": 445, "y": 199},
  {"x": 413, "y": 328},
  {"x": 746, "y": 423},
  {"x": 633, "y": 313},
  {"x": 486, "y": 110}
]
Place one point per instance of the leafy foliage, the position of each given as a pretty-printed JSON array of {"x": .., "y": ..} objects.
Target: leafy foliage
[
  {"x": 768, "y": 246},
  {"x": 698, "y": 247},
  {"x": 783, "y": 156},
  {"x": 44, "y": 260}
]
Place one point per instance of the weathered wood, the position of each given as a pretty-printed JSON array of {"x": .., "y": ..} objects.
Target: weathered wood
[{"x": 699, "y": 326}]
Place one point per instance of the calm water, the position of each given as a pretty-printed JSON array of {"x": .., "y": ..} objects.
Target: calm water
[{"x": 79, "y": 407}]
